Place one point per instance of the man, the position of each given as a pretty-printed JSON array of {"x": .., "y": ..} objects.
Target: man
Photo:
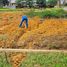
[{"x": 24, "y": 18}]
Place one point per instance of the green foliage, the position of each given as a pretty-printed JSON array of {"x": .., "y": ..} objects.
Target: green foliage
[
  {"x": 41, "y": 3},
  {"x": 57, "y": 13},
  {"x": 30, "y": 3},
  {"x": 18, "y": 1},
  {"x": 3, "y": 3},
  {"x": 51, "y": 2},
  {"x": 3, "y": 62},
  {"x": 27, "y": 2},
  {"x": 45, "y": 60},
  {"x": 54, "y": 12}
]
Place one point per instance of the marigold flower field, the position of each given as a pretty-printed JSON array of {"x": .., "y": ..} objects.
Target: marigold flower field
[{"x": 41, "y": 34}]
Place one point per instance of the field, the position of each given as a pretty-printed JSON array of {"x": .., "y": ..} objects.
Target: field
[
  {"x": 34, "y": 60},
  {"x": 41, "y": 34}
]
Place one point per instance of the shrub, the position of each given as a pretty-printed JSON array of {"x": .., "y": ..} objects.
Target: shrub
[{"x": 53, "y": 12}]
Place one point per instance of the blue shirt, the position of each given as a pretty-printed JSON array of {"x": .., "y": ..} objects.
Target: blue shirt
[{"x": 24, "y": 17}]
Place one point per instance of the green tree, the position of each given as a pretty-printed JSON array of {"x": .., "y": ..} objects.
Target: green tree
[
  {"x": 3, "y": 3},
  {"x": 29, "y": 3},
  {"x": 25, "y": 2},
  {"x": 18, "y": 1},
  {"x": 51, "y": 3},
  {"x": 41, "y": 3},
  {"x": 21, "y": 3}
]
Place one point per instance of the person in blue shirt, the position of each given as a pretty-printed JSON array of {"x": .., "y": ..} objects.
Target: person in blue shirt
[{"x": 24, "y": 18}]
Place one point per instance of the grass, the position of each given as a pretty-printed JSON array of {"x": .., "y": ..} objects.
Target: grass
[
  {"x": 10, "y": 9},
  {"x": 3, "y": 61},
  {"x": 39, "y": 60},
  {"x": 17, "y": 9},
  {"x": 45, "y": 60}
]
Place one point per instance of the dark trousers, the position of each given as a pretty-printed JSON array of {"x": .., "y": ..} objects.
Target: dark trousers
[{"x": 23, "y": 21}]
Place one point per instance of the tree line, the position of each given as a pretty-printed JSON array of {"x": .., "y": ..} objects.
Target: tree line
[
  {"x": 36, "y": 3},
  {"x": 4, "y": 2},
  {"x": 39, "y": 3},
  {"x": 33, "y": 3}
]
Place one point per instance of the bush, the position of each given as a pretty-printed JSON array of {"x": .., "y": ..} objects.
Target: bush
[{"x": 54, "y": 12}]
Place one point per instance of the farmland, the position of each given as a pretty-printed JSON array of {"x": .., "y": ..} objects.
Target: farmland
[
  {"x": 41, "y": 34},
  {"x": 43, "y": 43}
]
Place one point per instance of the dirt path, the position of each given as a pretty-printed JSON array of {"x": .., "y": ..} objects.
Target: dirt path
[{"x": 31, "y": 50}]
